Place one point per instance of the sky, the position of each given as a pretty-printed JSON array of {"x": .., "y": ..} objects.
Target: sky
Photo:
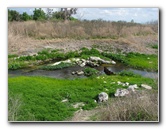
[{"x": 139, "y": 15}]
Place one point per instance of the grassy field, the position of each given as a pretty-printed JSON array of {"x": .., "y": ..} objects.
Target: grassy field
[{"x": 39, "y": 98}]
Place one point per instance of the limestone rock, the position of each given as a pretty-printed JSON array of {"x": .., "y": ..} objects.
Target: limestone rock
[
  {"x": 99, "y": 60},
  {"x": 146, "y": 86},
  {"x": 79, "y": 72},
  {"x": 113, "y": 62},
  {"x": 77, "y": 105},
  {"x": 102, "y": 97},
  {"x": 121, "y": 92},
  {"x": 65, "y": 100},
  {"x": 132, "y": 87}
]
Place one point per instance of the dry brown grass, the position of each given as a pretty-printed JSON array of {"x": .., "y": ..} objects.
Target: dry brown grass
[
  {"x": 31, "y": 36},
  {"x": 76, "y": 29},
  {"x": 142, "y": 106},
  {"x": 14, "y": 104}
]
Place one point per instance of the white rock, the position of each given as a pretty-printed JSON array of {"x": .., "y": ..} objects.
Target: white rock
[
  {"x": 119, "y": 83},
  {"x": 77, "y": 105},
  {"x": 121, "y": 92},
  {"x": 146, "y": 86},
  {"x": 79, "y": 72},
  {"x": 102, "y": 97},
  {"x": 98, "y": 59},
  {"x": 131, "y": 89},
  {"x": 127, "y": 84},
  {"x": 83, "y": 64},
  {"x": 123, "y": 84},
  {"x": 73, "y": 73},
  {"x": 113, "y": 62},
  {"x": 134, "y": 86},
  {"x": 56, "y": 63},
  {"x": 65, "y": 100}
]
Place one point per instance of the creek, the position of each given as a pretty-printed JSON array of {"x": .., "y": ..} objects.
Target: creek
[{"x": 66, "y": 72}]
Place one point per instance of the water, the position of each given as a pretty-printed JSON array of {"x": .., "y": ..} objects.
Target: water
[
  {"x": 120, "y": 67},
  {"x": 66, "y": 72}
]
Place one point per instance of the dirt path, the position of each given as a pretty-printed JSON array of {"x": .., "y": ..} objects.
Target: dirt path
[{"x": 84, "y": 115}]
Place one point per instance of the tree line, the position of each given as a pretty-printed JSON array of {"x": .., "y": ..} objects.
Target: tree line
[{"x": 39, "y": 14}]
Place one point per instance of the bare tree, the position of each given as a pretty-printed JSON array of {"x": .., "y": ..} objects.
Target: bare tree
[
  {"x": 66, "y": 12},
  {"x": 49, "y": 12}
]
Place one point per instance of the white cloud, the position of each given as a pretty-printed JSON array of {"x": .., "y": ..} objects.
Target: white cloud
[{"x": 113, "y": 14}]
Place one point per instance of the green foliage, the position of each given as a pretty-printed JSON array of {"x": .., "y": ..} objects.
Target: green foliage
[
  {"x": 39, "y": 14},
  {"x": 16, "y": 65},
  {"x": 72, "y": 54},
  {"x": 128, "y": 73},
  {"x": 16, "y": 16},
  {"x": 57, "y": 15},
  {"x": 42, "y": 96},
  {"x": 118, "y": 57},
  {"x": 25, "y": 17},
  {"x": 90, "y": 71},
  {"x": 13, "y": 15},
  {"x": 92, "y": 51},
  {"x": 59, "y": 66},
  {"x": 25, "y": 58},
  {"x": 12, "y": 56},
  {"x": 44, "y": 52},
  {"x": 135, "y": 60},
  {"x": 142, "y": 61},
  {"x": 155, "y": 46},
  {"x": 73, "y": 19}
]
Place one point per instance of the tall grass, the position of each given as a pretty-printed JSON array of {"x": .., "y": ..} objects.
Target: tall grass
[
  {"x": 142, "y": 106},
  {"x": 77, "y": 29}
]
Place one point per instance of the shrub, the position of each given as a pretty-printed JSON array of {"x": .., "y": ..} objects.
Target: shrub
[
  {"x": 131, "y": 108},
  {"x": 128, "y": 73},
  {"x": 16, "y": 65},
  {"x": 12, "y": 56},
  {"x": 155, "y": 46},
  {"x": 90, "y": 71},
  {"x": 86, "y": 51},
  {"x": 118, "y": 57},
  {"x": 72, "y": 54}
]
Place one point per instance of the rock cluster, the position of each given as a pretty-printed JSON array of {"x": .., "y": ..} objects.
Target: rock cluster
[
  {"x": 92, "y": 61},
  {"x": 78, "y": 72},
  {"x": 130, "y": 89}
]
